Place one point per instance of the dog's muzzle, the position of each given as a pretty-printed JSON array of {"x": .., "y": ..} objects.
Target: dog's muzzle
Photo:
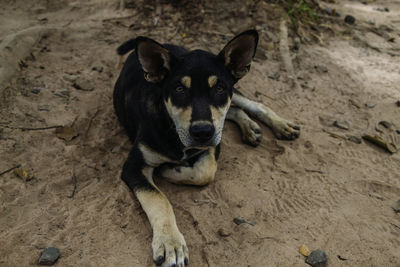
[{"x": 201, "y": 132}]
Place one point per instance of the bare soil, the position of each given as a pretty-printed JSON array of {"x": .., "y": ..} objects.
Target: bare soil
[{"x": 322, "y": 189}]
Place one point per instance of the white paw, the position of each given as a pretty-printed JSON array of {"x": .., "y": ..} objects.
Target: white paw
[
  {"x": 251, "y": 133},
  {"x": 284, "y": 129},
  {"x": 169, "y": 249}
]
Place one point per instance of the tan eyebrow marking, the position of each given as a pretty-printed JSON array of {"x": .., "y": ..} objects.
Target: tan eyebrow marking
[
  {"x": 186, "y": 81},
  {"x": 212, "y": 80}
]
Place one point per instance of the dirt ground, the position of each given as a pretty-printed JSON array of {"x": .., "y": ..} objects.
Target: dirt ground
[{"x": 322, "y": 190}]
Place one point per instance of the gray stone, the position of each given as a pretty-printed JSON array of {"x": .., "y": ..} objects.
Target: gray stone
[
  {"x": 49, "y": 256},
  {"x": 370, "y": 105},
  {"x": 396, "y": 206},
  {"x": 36, "y": 90},
  {"x": 349, "y": 19},
  {"x": 342, "y": 124},
  {"x": 317, "y": 258},
  {"x": 70, "y": 77},
  {"x": 63, "y": 92},
  {"x": 84, "y": 84},
  {"x": 239, "y": 221}
]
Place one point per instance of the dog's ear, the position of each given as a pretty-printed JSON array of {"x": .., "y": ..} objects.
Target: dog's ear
[
  {"x": 239, "y": 52},
  {"x": 154, "y": 59}
]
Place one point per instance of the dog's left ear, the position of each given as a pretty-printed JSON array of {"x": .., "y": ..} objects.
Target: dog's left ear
[
  {"x": 154, "y": 59},
  {"x": 239, "y": 52}
]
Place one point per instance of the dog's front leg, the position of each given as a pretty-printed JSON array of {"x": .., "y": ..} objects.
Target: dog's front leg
[
  {"x": 169, "y": 246},
  {"x": 283, "y": 129}
]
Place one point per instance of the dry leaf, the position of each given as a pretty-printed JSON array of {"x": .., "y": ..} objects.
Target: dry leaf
[
  {"x": 66, "y": 133},
  {"x": 22, "y": 174},
  {"x": 303, "y": 249}
]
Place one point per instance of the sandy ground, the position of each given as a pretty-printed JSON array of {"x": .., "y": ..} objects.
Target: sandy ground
[{"x": 321, "y": 190}]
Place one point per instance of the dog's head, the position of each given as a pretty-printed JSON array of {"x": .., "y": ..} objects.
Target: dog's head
[{"x": 197, "y": 86}]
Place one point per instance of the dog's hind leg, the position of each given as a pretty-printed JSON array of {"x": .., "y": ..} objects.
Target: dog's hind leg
[
  {"x": 169, "y": 246},
  {"x": 251, "y": 132},
  {"x": 201, "y": 172},
  {"x": 283, "y": 129}
]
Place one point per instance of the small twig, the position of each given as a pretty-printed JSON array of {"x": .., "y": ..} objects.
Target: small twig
[
  {"x": 285, "y": 54},
  {"x": 117, "y": 18},
  {"x": 318, "y": 171},
  {"x": 334, "y": 135},
  {"x": 257, "y": 93},
  {"x": 395, "y": 225},
  {"x": 30, "y": 128},
  {"x": 74, "y": 189},
  {"x": 90, "y": 122},
  {"x": 10, "y": 169}
]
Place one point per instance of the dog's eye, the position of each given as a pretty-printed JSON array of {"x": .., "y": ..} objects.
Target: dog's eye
[{"x": 179, "y": 89}]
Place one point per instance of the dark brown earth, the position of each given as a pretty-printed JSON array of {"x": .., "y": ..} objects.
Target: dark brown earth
[{"x": 322, "y": 190}]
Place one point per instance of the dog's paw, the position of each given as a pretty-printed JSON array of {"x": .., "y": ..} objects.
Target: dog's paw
[
  {"x": 251, "y": 133},
  {"x": 170, "y": 250},
  {"x": 284, "y": 129}
]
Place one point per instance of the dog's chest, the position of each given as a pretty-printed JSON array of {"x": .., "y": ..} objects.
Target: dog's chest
[{"x": 155, "y": 159}]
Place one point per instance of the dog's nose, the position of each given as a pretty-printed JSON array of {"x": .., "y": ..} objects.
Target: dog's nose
[{"x": 202, "y": 132}]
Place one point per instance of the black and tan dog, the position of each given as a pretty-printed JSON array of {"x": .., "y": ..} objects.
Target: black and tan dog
[{"x": 173, "y": 104}]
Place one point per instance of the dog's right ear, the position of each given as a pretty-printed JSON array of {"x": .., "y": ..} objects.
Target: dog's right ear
[
  {"x": 153, "y": 57},
  {"x": 239, "y": 52}
]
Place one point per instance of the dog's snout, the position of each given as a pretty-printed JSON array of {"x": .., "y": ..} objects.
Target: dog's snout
[{"x": 202, "y": 132}]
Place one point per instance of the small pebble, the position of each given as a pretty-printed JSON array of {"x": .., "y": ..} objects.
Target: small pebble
[
  {"x": 84, "y": 84},
  {"x": 275, "y": 76},
  {"x": 332, "y": 12},
  {"x": 36, "y": 90},
  {"x": 349, "y": 19},
  {"x": 44, "y": 108},
  {"x": 320, "y": 68},
  {"x": 49, "y": 256},
  {"x": 222, "y": 232},
  {"x": 398, "y": 103},
  {"x": 239, "y": 221},
  {"x": 385, "y": 124},
  {"x": 98, "y": 68},
  {"x": 70, "y": 77},
  {"x": 370, "y": 105},
  {"x": 342, "y": 124},
  {"x": 63, "y": 92},
  {"x": 396, "y": 206},
  {"x": 398, "y": 131},
  {"x": 317, "y": 258},
  {"x": 383, "y": 9}
]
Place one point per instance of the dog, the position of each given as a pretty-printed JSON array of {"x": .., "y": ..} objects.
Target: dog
[{"x": 173, "y": 104}]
